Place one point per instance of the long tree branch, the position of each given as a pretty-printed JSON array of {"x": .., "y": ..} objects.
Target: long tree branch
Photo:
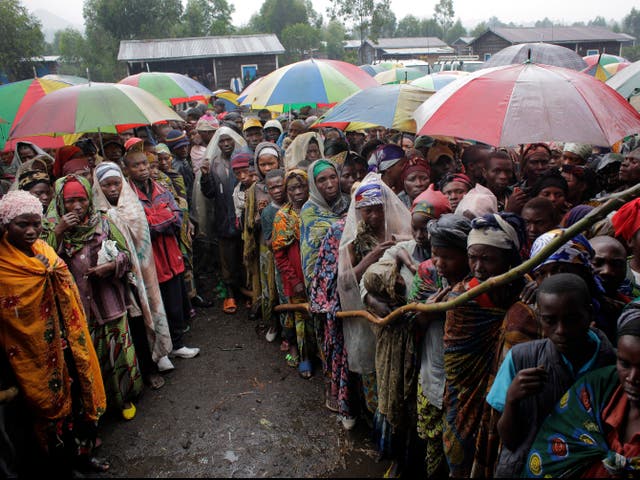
[{"x": 614, "y": 203}]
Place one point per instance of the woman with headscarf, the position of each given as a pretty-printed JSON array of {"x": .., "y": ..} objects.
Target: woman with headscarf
[
  {"x": 286, "y": 251},
  {"x": 581, "y": 182},
  {"x": 552, "y": 186},
  {"x": 416, "y": 176},
  {"x": 455, "y": 186},
  {"x": 305, "y": 149},
  {"x": 33, "y": 177},
  {"x": 217, "y": 182},
  {"x": 470, "y": 333},
  {"x": 389, "y": 160},
  {"x": 148, "y": 319},
  {"x": 96, "y": 252},
  {"x": 375, "y": 217},
  {"x": 447, "y": 266},
  {"x": 257, "y": 257},
  {"x": 593, "y": 431},
  {"x": 46, "y": 340},
  {"x": 24, "y": 152}
]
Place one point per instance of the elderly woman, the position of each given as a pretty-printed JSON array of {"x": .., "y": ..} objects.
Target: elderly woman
[
  {"x": 97, "y": 255},
  {"x": 46, "y": 340}
]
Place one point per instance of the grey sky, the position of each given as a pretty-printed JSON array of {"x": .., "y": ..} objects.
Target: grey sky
[{"x": 470, "y": 12}]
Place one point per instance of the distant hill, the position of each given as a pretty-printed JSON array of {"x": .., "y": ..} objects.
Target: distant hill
[{"x": 51, "y": 23}]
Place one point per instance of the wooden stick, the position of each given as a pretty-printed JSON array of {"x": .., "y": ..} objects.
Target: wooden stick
[{"x": 614, "y": 203}]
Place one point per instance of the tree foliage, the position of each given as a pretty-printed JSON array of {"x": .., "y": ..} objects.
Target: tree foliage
[
  {"x": 443, "y": 14},
  {"x": 22, "y": 39},
  {"x": 206, "y": 17},
  {"x": 631, "y": 23},
  {"x": 366, "y": 17},
  {"x": 455, "y": 32},
  {"x": 334, "y": 37},
  {"x": 276, "y": 15},
  {"x": 300, "y": 40},
  {"x": 409, "y": 26}
]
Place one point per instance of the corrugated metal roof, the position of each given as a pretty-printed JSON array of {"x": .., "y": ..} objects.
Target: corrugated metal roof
[
  {"x": 199, "y": 47},
  {"x": 418, "y": 51},
  {"x": 407, "y": 42},
  {"x": 559, "y": 34}
]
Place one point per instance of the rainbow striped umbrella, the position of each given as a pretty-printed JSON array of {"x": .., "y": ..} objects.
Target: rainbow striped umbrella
[
  {"x": 614, "y": 68},
  {"x": 603, "y": 59},
  {"x": 96, "y": 107},
  {"x": 398, "y": 75},
  {"x": 434, "y": 82},
  {"x": 171, "y": 88},
  {"x": 70, "y": 79},
  {"x": 16, "y": 98},
  {"x": 309, "y": 82}
]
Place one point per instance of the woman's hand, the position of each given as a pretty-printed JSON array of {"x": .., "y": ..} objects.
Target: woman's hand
[
  {"x": 102, "y": 271},
  {"x": 379, "y": 250},
  {"x": 67, "y": 222}
]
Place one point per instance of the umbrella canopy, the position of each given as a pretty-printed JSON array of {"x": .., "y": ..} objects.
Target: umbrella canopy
[
  {"x": 544, "y": 53},
  {"x": 510, "y": 105},
  {"x": 635, "y": 102},
  {"x": 96, "y": 107},
  {"x": 398, "y": 75},
  {"x": 598, "y": 71},
  {"x": 171, "y": 88},
  {"x": 627, "y": 81},
  {"x": 390, "y": 106},
  {"x": 308, "y": 82},
  {"x": 372, "y": 70},
  {"x": 70, "y": 79},
  {"x": 16, "y": 98},
  {"x": 433, "y": 81},
  {"x": 614, "y": 68},
  {"x": 603, "y": 59}
]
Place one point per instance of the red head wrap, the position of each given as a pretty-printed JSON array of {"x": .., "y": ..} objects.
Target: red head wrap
[
  {"x": 73, "y": 189},
  {"x": 63, "y": 155},
  {"x": 626, "y": 221}
]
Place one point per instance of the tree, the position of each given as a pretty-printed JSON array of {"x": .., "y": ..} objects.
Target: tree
[
  {"x": 443, "y": 14},
  {"x": 315, "y": 18},
  {"x": 455, "y": 32},
  {"x": 479, "y": 29},
  {"x": 409, "y": 26},
  {"x": 334, "y": 36},
  {"x": 431, "y": 28},
  {"x": 631, "y": 23},
  {"x": 545, "y": 22},
  {"x": 383, "y": 23},
  {"x": 276, "y": 15},
  {"x": 599, "y": 21},
  {"x": 300, "y": 40},
  {"x": 363, "y": 15},
  {"x": 22, "y": 39},
  {"x": 206, "y": 17}
]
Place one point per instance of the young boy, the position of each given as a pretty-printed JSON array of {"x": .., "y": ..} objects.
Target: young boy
[
  {"x": 534, "y": 375},
  {"x": 244, "y": 179}
]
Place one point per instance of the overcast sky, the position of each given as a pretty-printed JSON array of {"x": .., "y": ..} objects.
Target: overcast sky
[{"x": 469, "y": 11}]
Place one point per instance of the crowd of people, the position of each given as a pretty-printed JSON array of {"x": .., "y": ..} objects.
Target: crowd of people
[{"x": 105, "y": 244}]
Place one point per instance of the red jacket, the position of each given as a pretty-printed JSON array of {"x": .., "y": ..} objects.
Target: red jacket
[{"x": 165, "y": 219}]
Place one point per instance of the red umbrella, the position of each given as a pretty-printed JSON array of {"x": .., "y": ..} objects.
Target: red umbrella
[{"x": 527, "y": 103}]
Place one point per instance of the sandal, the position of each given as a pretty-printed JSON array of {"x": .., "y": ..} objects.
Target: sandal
[
  {"x": 305, "y": 369},
  {"x": 229, "y": 306},
  {"x": 292, "y": 360},
  {"x": 154, "y": 381}
]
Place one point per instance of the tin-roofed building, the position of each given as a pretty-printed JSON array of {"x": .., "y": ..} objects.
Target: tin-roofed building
[
  {"x": 214, "y": 61},
  {"x": 583, "y": 40},
  {"x": 424, "y": 48}
]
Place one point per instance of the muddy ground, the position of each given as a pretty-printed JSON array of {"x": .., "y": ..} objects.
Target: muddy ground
[{"x": 236, "y": 410}]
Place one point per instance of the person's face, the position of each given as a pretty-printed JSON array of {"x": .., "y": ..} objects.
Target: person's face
[
  {"x": 26, "y": 153},
  {"x": 455, "y": 191},
  {"x": 226, "y": 144},
  {"x": 630, "y": 171},
  {"x": 218, "y": 109},
  {"x": 328, "y": 184},
  {"x": 486, "y": 261},
  {"x": 419, "y": 229},
  {"x": 294, "y": 130},
  {"x": 555, "y": 195},
  {"x": 331, "y": 134},
  {"x": 415, "y": 183},
  {"x": 271, "y": 134},
  {"x": 450, "y": 263},
  {"x": 111, "y": 187},
  {"x": 43, "y": 192},
  {"x": 164, "y": 161},
  {"x": 537, "y": 163},
  {"x": 628, "y": 366},
  {"x": 373, "y": 216},
  {"x": 313, "y": 152},
  {"x": 137, "y": 167},
  {"x": 537, "y": 222},
  {"x": 253, "y": 136},
  {"x": 441, "y": 167},
  {"x": 24, "y": 230},
  {"x": 206, "y": 135},
  {"x": 477, "y": 164},
  {"x": 154, "y": 169},
  {"x": 275, "y": 187},
  {"x": 392, "y": 176},
  {"x": 576, "y": 187},
  {"x": 243, "y": 176},
  {"x": 355, "y": 139},
  {"x": 564, "y": 320},
  {"x": 182, "y": 151},
  {"x": 610, "y": 264},
  {"x": 267, "y": 162},
  {"x": 297, "y": 192},
  {"x": 498, "y": 174},
  {"x": 406, "y": 143},
  {"x": 570, "y": 158},
  {"x": 347, "y": 179},
  {"x": 554, "y": 268},
  {"x": 264, "y": 116},
  {"x": 113, "y": 153},
  {"x": 126, "y": 135},
  {"x": 77, "y": 205}
]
